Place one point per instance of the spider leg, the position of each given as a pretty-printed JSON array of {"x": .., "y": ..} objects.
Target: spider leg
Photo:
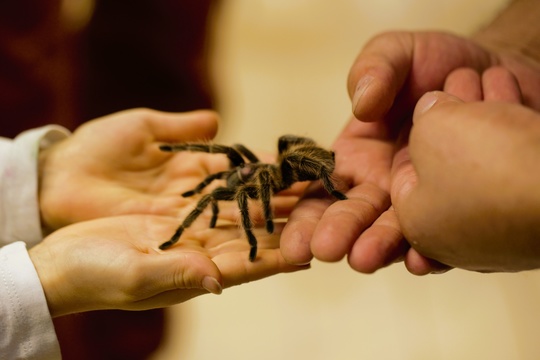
[
  {"x": 265, "y": 194},
  {"x": 234, "y": 156},
  {"x": 328, "y": 185},
  {"x": 248, "y": 154},
  {"x": 194, "y": 214},
  {"x": 220, "y": 193},
  {"x": 215, "y": 212},
  {"x": 310, "y": 169},
  {"x": 206, "y": 182},
  {"x": 242, "y": 196},
  {"x": 286, "y": 141}
]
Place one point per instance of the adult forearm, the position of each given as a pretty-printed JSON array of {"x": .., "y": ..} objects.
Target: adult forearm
[{"x": 515, "y": 29}]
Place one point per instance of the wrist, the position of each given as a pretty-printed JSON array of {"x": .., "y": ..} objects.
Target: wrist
[
  {"x": 48, "y": 146},
  {"x": 42, "y": 164},
  {"x": 512, "y": 31},
  {"x": 44, "y": 264}
]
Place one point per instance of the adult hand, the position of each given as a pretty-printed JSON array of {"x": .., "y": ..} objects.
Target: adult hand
[
  {"x": 388, "y": 77},
  {"x": 396, "y": 68},
  {"x": 496, "y": 84},
  {"x": 115, "y": 263},
  {"x": 465, "y": 189},
  {"x": 390, "y": 74},
  {"x": 327, "y": 229}
]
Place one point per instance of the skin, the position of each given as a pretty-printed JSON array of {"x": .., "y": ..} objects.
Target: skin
[
  {"x": 465, "y": 202},
  {"x": 113, "y": 166},
  {"x": 388, "y": 77},
  {"x": 109, "y": 197},
  {"x": 114, "y": 263}
]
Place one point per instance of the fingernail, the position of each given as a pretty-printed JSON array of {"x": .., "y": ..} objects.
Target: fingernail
[
  {"x": 426, "y": 102},
  {"x": 211, "y": 285},
  {"x": 301, "y": 255},
  {"x": 429, "y": 99},
  {"x": 439, "y": 271},
  {"x": 304, "y": 263},
  {"x": 361, "y": 88}
]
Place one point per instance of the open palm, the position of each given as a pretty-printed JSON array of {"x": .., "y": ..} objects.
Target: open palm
[
  {"x": 115, "y": 263},
  {"x": 113, "y": 166},
  {"x": 328, "y": 229}
]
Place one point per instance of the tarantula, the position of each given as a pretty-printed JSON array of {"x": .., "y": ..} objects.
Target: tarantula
[{"x": 299, "y": 159}]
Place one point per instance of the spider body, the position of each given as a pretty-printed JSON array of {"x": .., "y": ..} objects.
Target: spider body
[{"x": 299, "y": 159}]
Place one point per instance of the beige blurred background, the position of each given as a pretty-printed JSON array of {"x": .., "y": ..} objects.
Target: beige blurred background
[{"x": 280, "y": 67}]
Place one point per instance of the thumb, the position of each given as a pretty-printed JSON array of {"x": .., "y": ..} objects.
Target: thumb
[
  {"x": 404, "y": 172},
  {"x": 175, "y": 270},
  {"x": 379, "y": 73},
  {"x": 179, "y": 127}
]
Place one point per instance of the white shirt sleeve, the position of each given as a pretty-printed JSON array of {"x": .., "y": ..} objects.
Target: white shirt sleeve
[
  {"x": 19, "y": 208},
  {"x": 27, "y": 330}
]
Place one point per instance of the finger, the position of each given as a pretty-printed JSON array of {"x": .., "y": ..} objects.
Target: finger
[
  {"x": 282, "y": 206},
  {"x": 430, "y": 100},
  {"x": 378, "y": 74},
  {"x": 403, "y": 175},
  {"x": 426, "y": 128},
  {"x": 500, "y": 84},
  {"x": 379, "y": 246},
  {"x": 238, "y": 269},
  {"x": 464, "y": 83},
  {"x": 344, "y": 221},
  {"x": 419, "y": 265},
  {"x": 178, "y": 269},
  {"x": 235, "y": 268},
  {"x": 412, "y": 162},
  {"x": 298, "y": 231},
  {"x": 197, "y": 125}
]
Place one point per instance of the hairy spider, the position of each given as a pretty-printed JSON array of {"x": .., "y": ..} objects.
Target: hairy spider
[{"x": 299, "y": 159}]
